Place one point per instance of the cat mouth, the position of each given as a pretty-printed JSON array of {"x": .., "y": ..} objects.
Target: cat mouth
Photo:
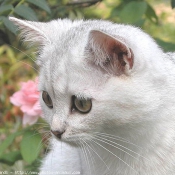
[
  {"x": 65, "y": 137},
  {"x": 58, "y": 134}
]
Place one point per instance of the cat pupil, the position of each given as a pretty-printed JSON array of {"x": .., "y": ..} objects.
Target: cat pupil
[{"x": 82, "y": 104}]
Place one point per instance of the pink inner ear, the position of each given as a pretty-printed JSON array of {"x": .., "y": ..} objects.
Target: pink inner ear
[
  {"x": 131, "y": 59},
  {"x": 118, "y": 47},
  {"x": 112, "y": 53}
]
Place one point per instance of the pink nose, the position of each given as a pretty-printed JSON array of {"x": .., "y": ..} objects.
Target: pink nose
[{"x": 58, "y": 133}]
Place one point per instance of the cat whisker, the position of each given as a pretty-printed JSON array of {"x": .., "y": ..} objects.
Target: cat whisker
[
  {"x": 41, "y": 128},
  {"x": 101, "y": 139},
  {"x": 61, "y": 147},
  {"x": 90, "y": 153},
  {"x": 85, "y": 155},
  {"x": 36, "y": 133},
  {"x": 86, "y": 150},
  {"x": 21, "y": 52},
  {"x": 52, "y": 155},
  {"x": 43, "y": 124},
  {"x": 120, "y": 148},
  {"x": 41, "y": 142},
  {"x": 97, "y": 155},
  {"x": 28, "y": 65},
  {"x": 87, "y": 158},
  {"x": 46, "y": 137},
  {"x": 27, "y": 56},
  {"x": 115, "y": 155},
  {"x": 117, "y": 138},
  {"x": 100, "y": 158},
  {"x": 47, "y": 146},
  {"x": 43, "y": 132},
  {"x": 46, "y": 141},
  {"x": 81, "y": 146}
]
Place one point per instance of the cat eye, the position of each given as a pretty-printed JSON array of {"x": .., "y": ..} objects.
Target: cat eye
[
  {"x": 82, "y": 105},
  {"x": 47, "y": 100}
]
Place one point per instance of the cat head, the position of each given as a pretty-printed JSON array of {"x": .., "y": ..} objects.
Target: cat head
[{"x": 94, "y": 75}]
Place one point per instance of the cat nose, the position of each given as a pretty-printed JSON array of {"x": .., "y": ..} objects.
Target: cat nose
[{"x": 58, "y": 133}]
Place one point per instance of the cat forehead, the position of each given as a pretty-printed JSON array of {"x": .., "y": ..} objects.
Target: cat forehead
[
  {"x": 64, "y": 74},
  {"x": 76, "y": 73},
  {"x": 71, "y": 39}
]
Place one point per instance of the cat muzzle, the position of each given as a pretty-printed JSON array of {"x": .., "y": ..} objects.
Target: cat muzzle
[{"x": 57, "y": 133}]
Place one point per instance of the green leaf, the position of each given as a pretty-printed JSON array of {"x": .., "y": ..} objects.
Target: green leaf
[
  {"x": 79, "y": 15},
  {"x": 151, "y": 15},
  {"x": 5, "y": 2},
  {"x": 11, "y": 158},
  {"x": 172, "y": 3},
  {"x": 115, "y": 12},
  {"x": 167, "y": 46},
  {"x": 26, "y": 12},
  {"x": 139, "y": 23},
  {"x": 5, "y": 8},
  {"x": 7, "y": 142},
  {"x": 41, "y": 4},
  {"x": 9, "y": 25},
  {"x": 133, "y": 11},
  {"x": 72, "y": 15},
  {"x": 1, "y": 18},
  {"x": 65, "y": 2},
  {"x": 30, "y": 146}
]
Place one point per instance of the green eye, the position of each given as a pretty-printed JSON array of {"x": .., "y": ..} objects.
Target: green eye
[
  {"x": 82, "y": 105},
  {"x": 47, "y": 100}
]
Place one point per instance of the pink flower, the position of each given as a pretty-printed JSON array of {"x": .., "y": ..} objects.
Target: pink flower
[{"x": 28, "y": 100}]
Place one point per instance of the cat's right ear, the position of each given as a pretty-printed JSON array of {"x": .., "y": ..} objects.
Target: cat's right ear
[
  {"x": 110, "y": 53},
  {"x": 33, "y": 32}
]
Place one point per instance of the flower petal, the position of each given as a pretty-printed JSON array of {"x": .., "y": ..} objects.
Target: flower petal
[
  {"x": 30, "y": 120},
  {"x": 16, "y": 98},
  {"x": 28, "y": 100}
]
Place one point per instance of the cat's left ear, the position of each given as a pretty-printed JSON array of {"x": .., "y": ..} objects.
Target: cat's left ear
[
  {"x": 110, "y": 53},
  {"x": 33, "y": 32}
]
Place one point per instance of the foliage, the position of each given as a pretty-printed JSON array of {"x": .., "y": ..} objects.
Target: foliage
[
  {"x": 14, "y": 139},
  {"x": 30, "y": 146},
  {"x": 23, "y": 147},
  {"x": 173, "y": 3},
  {"x": 136, "y": 12}
]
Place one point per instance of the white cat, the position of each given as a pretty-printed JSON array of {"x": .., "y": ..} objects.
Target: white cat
[{"x": 108, "y": 93}]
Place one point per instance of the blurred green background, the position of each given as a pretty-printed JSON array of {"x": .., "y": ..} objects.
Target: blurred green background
[{"x": 22, "y": 148}]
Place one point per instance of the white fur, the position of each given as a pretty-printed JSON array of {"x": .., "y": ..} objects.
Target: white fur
[{"x": 138, "y": 106}]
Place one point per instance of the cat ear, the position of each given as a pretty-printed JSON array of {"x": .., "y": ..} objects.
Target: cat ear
[
  {"x": 32, "y": 32},
  {"x": 111, "y": 54}
]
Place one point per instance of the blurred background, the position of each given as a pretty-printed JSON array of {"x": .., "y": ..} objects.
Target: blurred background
[{"x": 21, "y": 148}]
